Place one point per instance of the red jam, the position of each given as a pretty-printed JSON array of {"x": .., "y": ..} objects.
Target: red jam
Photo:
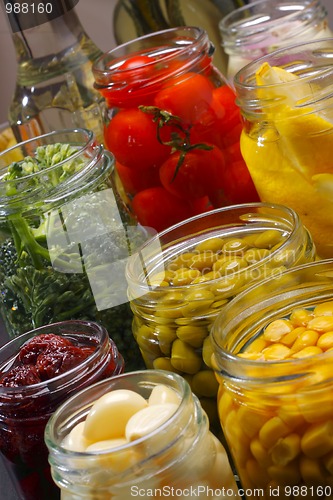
[
  {"x": 37, "y": 373},
  {"x": 42, "y": 358}
]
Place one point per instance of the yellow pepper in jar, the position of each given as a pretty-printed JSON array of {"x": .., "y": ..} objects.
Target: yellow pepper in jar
[{"x": 287, "y": 142}]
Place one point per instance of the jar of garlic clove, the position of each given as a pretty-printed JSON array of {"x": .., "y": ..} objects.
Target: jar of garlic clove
[{"x": 141, "y": 434}]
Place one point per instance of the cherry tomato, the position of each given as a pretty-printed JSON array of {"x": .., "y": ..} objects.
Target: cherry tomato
[
  {"x": 187, "y": 96},
  {"x": 226, "y": 97},
  {"x": 198, "y": 175},
  {"x": 132, "y": 137},
  {"x": 137, "y": 63},
  {"x": 239, "y": 187},
  {"x": 135, "y": 180},
  {"x": 159, "y": 209}
]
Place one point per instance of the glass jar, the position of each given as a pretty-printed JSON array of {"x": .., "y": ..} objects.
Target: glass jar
[
  {"x": 182, "y": 278},
  {"x": 133, "y": 20},
  {"x": 180, "y": 455},
  {"x": 173, "y": 126},
  {"x": 263, "y": 26},
  {"x": 286, "y": 102},
  {"x": 276, "y": 412},
  {"x": 25, "y": 409},
  {"x": 64, "y": 238}
]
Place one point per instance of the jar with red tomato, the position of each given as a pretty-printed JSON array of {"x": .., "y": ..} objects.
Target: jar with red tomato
[
  {"x": 38, "y": 371},
  {"x": 173, "y": 126}
]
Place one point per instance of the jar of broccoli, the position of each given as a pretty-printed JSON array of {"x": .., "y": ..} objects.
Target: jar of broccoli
[
  {"x": 64, "y": 238},
  {"x": 181, "y": 279}
]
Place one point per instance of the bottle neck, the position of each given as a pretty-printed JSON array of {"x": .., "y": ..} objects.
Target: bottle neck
[
  {"x": 49, "y": 39},
  {"x": 53, "y": 39}
]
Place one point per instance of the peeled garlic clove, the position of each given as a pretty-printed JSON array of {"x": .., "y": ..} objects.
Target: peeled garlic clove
[
  {"x": 75, "y": 440},
  {"x": 162, "y": 394},
  {"x": 148, "y": 419},
  {"x": 109, "y": 415}
]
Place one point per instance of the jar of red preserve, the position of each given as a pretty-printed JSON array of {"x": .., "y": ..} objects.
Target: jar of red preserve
[
  {"x": 173, "y": 126},
  {"x": 38, "y": 371}
]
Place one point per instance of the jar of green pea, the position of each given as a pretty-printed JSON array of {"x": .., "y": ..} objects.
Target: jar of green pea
[{"x": 182, "y": 278}]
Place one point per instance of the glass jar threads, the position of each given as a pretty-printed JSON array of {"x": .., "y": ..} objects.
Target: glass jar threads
[
  {"x": 64, "y": 237},
  {"x": 182, "y": 278},
  {"x": 139, "y": 455},
  {"x": 173, "y": 125},
  {"x": 38, "y": 371},
  {"x": 286, "y": 102},
  {"x": 262, "y": 26},
  {"x": 274, "y": 363}
]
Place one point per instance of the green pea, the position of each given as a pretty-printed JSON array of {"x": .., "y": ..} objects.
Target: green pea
[
  {"x": 204, "y": 383},
  {"x": 164, "y": 363},
  {"x": 235, "y": 246},
  {"x": 268, "y": 238},
  {"x": 147, "y": 340},
  {"x": 184, "y": 357},
  {"x": 212, "y": 244},
  {"x": 193, "y": 335},
  {"x": 197, "y": 302}
]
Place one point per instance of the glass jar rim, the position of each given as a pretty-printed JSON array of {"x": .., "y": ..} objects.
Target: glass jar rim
[
  {"x": 93, "y": 152},
  {"x": 156, "y": 247},
  {"x": 110, "y": 62},
  {"x": 143, "y": 378},
  {"x": 236, "y": 32},
  {"x": 227, "y": 321},
  {"x": 244, "y": 78},
  {"x": 71, "y": 327}
]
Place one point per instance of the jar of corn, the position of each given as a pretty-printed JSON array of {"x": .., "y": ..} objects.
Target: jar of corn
[
  {"x": 273, "y": 355},
  {"x": 183, "y": 277}
]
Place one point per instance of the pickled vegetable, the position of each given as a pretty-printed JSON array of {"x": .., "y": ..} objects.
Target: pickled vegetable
[{"x": 285, "y": 436}]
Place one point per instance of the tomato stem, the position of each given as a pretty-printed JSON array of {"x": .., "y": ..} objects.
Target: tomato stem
[{"x": 179, "y": 141}]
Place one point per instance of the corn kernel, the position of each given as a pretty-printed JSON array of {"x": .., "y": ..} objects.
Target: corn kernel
[
  {"x": 300, "y": 317},
  {"x": 305, "y": 339},
  {"x": 325, "y": 341},
  {"x": 311, "y": 471},
  {"x": 225, "y": 403},
  {"x": 257, "y": 345},
  {"x": 287, "y": 475},
  {"x": 291, "y": 415},
  {"x": 260, "y": 453},
  {"x": 289, "y": 338},
  {"x": 257, "y": 474},
  {"x": 286, "y": 449},
  {"x": 324, "y": 309},
  {"x": 276, "y": 352},
  {"x": 316, "y": 407},
  {"x": 250, "y": 421},
  {"x": 276, "y": 329},
  {"x": 317, "y": 440},
  {"x": 321, "y": 323},
  {"x": 328, "y": 462},
  {"x": 273, "y": 430},
  {"x": 307, "y": 352}
]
